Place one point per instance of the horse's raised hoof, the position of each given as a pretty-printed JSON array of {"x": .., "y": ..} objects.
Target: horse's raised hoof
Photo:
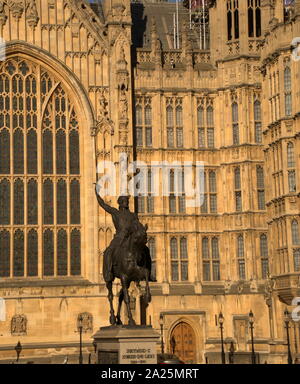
[{"x": 112, "y": 319}]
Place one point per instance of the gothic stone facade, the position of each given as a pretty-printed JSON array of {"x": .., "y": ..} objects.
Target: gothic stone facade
[{"x": 82, "y": 83}]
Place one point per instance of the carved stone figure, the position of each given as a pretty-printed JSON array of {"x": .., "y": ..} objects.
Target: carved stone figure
[
  {"x": 127, "y": 257},
  {"x": 123, "y": 105},
  {"x": 32, "y": 14},
  {"x": 19, "y": 325}
]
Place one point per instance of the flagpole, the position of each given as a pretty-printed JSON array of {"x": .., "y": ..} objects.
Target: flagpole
[
  {"x": 204, "y": 32},
  {"x": 190, "y": 11}
]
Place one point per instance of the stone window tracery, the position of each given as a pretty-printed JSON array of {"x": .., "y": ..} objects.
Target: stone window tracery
[
  {"x": 179, "y": 265},
  {"x": 254, "y": 18},
  {"x": 205, "y": 123},
  {"x": 174, "y": 122},
  {"x": 232, "y": 19},
  {"x": 211, "y": 259},
  {"x": 143, "y": 121},
  {"x": 39, "y": 151}
]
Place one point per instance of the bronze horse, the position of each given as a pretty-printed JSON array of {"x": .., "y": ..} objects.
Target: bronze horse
[
  {"x": 127, "y": 257},
  {"x": 131, "y": 262}
]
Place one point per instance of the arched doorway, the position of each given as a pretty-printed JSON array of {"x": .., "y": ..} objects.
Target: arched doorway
[{"x": 183, "y": 343}]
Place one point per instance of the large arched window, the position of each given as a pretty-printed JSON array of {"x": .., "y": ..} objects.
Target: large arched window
[{"x": 39, "y": 174}]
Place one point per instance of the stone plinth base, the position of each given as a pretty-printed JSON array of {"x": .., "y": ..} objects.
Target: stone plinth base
[{"x": 124, "y": 344}]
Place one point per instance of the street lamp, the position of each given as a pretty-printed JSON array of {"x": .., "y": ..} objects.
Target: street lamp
[
  {"x": 18, "y": 349},
  {"x": 251, "y": 322},
  {"x": 221, "y": 321},
  {"x": 80, "y": 319},
  {"x": 287, "y": 321},
  {"x": 161, "y": 323}
]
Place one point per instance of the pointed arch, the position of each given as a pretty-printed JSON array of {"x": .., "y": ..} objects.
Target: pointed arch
[{"x": 62, "y": 84}]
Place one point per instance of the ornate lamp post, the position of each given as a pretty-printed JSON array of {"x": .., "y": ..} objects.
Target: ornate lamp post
[
  {"x": 221, "y": 321},
  {"x": 18, "y": 349},
  {"x": 80, "y": 327},
  {"x": 161, "y": 323},
  {"x": 287, "y": 326},
  {"x": 251, "y": 322}
]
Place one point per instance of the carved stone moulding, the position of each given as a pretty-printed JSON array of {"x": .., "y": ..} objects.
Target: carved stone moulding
[
  {"x": 85, "y": 320},
  {"x": 16, "y": 8}
]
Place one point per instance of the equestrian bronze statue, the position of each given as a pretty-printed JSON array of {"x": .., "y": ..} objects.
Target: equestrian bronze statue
[{"x": 127, "y": 257}]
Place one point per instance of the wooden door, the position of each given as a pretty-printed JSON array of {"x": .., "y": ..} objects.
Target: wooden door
[{"x": 183, "y": 343}]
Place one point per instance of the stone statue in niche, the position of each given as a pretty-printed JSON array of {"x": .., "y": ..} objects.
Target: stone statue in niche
[
  {"x": 32, "y": 14},
  {"x": 103, "y": 105},
  {"x": 123, "y": 104},
  {"x": 19, "y": 325}
]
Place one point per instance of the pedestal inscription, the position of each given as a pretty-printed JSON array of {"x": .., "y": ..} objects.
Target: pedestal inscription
[
  {"x": 137, "y": 353},
  {"x": 126, "y": 345}
]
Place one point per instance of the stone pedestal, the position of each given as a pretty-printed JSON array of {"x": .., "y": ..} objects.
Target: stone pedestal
[{"x": 124, "y": 344}]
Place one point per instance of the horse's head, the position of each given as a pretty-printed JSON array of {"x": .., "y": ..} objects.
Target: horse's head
[{"x": 139, "y": 236}]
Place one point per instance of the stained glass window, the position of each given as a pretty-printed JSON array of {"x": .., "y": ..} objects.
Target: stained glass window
[
  {"x": 48, "y": 201},
  {"x": 75, "y": 253},
  {"x": 60, "y": 152},
  {"x": 48, "y": 252},
  {"x": 47, "y": 152},
  {"x": 32, "y": 253},
  {"x": 31, "y": 152},
  {"x": 31, "y": 108},
  {"x": 75, "y": 202},
  {"x": 62, "y": 253},
  {"x": 4, "y": 152},
  {"x": 18, "y": 254},
  {"x": 4, "y": 253},
  {"x": 74, "y": 153},
  {"x": 32, "y": 202},
  {"x": 18, "y": 152},
  {"x": 61, "y": 202},
  {"x": 18, "y": 202},
  {"x": 4, "y": 202}
]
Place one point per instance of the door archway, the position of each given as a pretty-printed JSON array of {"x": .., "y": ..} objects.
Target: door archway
[{"x": 183, "y": 343}]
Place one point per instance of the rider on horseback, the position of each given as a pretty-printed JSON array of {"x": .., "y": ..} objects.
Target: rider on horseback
[{"x": 125, "y": 223}]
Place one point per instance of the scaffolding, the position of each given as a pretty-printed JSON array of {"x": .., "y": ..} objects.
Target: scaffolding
[{"x": 199, "y": 20}]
